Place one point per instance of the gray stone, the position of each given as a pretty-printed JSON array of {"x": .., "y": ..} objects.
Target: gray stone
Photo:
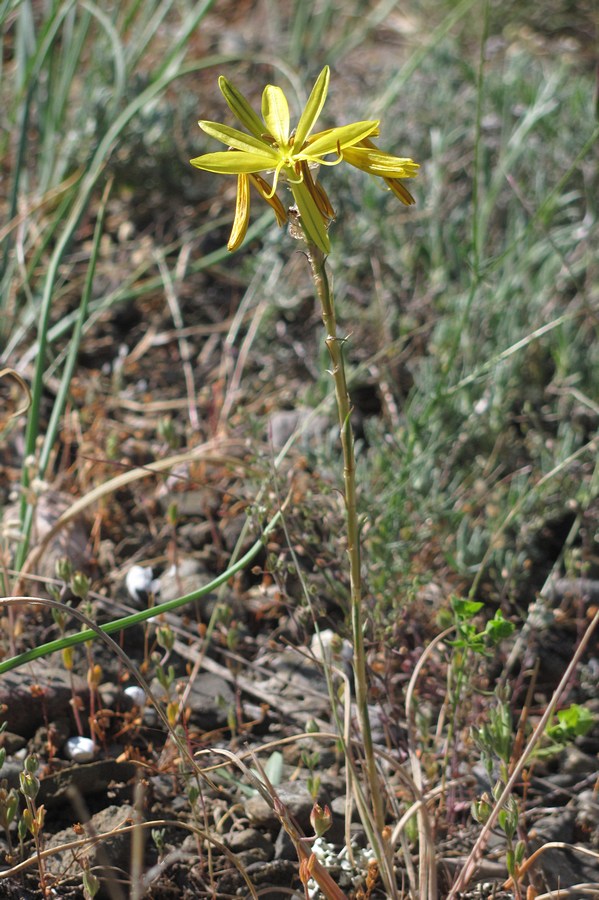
[
  {"x": 110, "y": 694},
  {"x": 210, "y": 701},
  {"x": 297, "y": 679},
  {"x": 97, "y": 779},
  {"x": 37, "y": 694},
  {"x": 559, "y": 867},
  {"x": 201, "y": 502},
  {"x": 12, "y": 742},
  {"x": 250, "y": 840},
  {"x": 111, "y": 855},
  {"x": 69, "y": 542},
  {"x": 294, "y": 795},
  {"x": 284, "y": 846},
  {"x": 277, "y": 873},
  {"x": 196, "y": 534},
  {"x": 11, "y": 771},
  {"x": 577, "y": 762},
  {"x": 231, "y": 529},
  {"x": 560, "y": 588},
  {"x": 186, "y": 576},
  {"x": 310, "y": 428},
  {"x": 587, "y": 816}
]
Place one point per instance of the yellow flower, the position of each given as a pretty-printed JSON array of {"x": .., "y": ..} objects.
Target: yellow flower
[{"x": 271, "y": 147}]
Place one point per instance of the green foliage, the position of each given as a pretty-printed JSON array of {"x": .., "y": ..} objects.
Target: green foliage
[
  {"x": 468, "y": 637},
  {"x": 68, "y": 161},
  {"x": 572, "y": 722},
  {"x": 91, "y": 884},
  {"x": 495, "y": 736},
  {"x": 483, "y": 450}
]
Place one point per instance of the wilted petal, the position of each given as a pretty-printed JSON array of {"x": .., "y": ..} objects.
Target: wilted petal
[
  {"x": 242, "y": 213},
  {"x": 319, "y": 194},
  {"x": 400, "y": 191},
  {"x": 376, "y": 162},
  {"x": 265, "y": 191}
]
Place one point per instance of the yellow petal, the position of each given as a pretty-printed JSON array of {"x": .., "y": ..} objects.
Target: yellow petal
[
  {"x": 376, "y": 162},
  {"x": 242, "y": 213},
  {"x": 233, "y": 162},
  {"x": 237, "y": 139},
  {"x": 275, "y": 112},
  {"x": 334, "y": 139},
  {"x": 240, "y": 107},
  {"x": 312, "y": 108}
]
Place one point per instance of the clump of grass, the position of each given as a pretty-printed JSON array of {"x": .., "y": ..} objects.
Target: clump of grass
[{"x": 503, "y": 382}]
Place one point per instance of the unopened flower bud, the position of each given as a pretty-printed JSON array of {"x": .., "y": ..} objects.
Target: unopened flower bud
[
  {"x": 29, "y": 784},
  {"x": 94, "y": 676},
  {"x": 31, "y": 764},
  {"x": 481, "y": 809},
  {"x": 321, "y": 819},
  {"x": 80, "y": 585},
  {"x": 165, "y": 637},
  {"x": 63, "y": 569}
]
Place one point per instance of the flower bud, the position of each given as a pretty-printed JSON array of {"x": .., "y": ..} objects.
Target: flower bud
[
  {"x": 481, "y": 809},
  {"x": 321, "y": 819},
  {"x": 29, "y": 785},
  {"x": 94, "y": 676},
  {"x": 80, "y": 585},
  {"x": 63, "y": 569},
  {"x": 165, "y": 637},
  {"x": 31, "y": 764}
]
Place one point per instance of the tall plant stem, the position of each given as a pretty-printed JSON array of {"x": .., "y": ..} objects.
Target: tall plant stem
[{"x": 335, "y": 347}]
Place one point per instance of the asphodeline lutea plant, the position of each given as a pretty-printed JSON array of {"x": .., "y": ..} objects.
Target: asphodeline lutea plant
[
  {"x": 272, "y": 148},
  {"x": 293, "y": 158}
]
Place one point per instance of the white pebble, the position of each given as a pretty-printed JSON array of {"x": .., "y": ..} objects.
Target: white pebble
[
  {"x": 139, "y": 581},
  {"x": 136, "y": 695},
  {"x": 80, "y": 749},
  {"x": 328, "y": 645}
]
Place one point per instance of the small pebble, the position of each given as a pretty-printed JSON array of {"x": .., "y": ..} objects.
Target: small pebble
[
  {"x": 150, "y": 716},
  {"x": 327, "y": 644},
  {"x": 80, "y": 749},
  {"x": 136, "y": 695},
  {"x": 140, "y": 582}
]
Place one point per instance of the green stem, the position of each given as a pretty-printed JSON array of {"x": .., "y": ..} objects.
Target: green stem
[
  {"x": 335, "y": 347},
  {"x": 135, "y": 619}
]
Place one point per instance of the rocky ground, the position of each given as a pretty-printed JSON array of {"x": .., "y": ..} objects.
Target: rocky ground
[{"x": 240, "y": 673}]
